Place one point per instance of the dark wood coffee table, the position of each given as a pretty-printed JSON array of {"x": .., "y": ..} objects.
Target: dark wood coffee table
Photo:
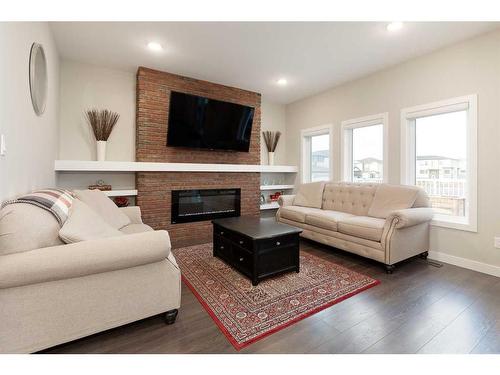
[{"x": 258, "y": 248}]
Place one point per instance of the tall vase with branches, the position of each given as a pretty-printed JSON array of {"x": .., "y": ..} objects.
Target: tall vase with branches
[
  {"x": 271, "y": 140},
  {"x": 102, "y": 123}
]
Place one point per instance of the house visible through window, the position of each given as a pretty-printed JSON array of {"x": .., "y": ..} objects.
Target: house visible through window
[
  {"x": 316, "y": 154},
  {"x": 439, "y": 155},
  {"x": 320, "y": 157},
  {"x": 441, "y": 160},
  {"x": 367, "y": 154},
  {"x": 364, "y": 141}
]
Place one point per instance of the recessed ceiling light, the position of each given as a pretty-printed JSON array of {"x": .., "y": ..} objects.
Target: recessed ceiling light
[
  {"x": 154, "y": 46},
  {"x": 281, "y": 82},
  {"x": 394, "y": 26}
]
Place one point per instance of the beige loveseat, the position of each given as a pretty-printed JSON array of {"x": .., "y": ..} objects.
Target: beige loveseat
[
  {"x": 387, "y": 223},
  {"x": 60, "y": 292}
]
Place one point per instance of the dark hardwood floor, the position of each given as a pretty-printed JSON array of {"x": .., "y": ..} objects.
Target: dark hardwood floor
[{"x": 418, "y": 309}]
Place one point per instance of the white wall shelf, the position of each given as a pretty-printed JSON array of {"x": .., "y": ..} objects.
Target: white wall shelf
[
  {"x": 120, "y": 193},
  {"x": 277, "y": 187},
  {"x": 124, "y": 166},
  {"x": 269, "y": 206}
]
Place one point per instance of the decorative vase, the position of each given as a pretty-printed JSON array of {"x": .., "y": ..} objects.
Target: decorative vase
[
  {"x": 270, "y": 158},
  {"x": 101, "y": 150}
]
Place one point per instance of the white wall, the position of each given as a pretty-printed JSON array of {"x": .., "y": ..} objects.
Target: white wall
[
  {"x": 85, "y": 86},
  {"x": 273, "y": 119},
  {"x": 32, "y": 141},
  {"x": 471, "y": 67}
]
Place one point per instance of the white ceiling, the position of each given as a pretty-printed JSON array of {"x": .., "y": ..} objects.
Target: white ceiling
[{"x": 311, "y": 56}]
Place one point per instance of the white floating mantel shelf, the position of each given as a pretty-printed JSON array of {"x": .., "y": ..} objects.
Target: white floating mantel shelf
[
  {"x": 120, "y": 193},
  {"x": 277, "y": 187},
  {"x": 130, "y": 166}
]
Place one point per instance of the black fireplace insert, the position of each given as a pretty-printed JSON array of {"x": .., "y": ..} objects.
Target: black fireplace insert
[{"x": 206, "y": 204}]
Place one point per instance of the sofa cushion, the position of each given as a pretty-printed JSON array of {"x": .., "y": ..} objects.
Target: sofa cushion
[
  {"x": 326, "y": 219},
  {"x": 25, "y": 227},
  {"x": 136, "y": 228},
  {"x": 309, "y": 195},
  {"x": 297, "y": 213},
  {"x": 100, "y": 203},
  {"x": 84, "y": 224},
  {"x": 352, "y": 198},
  {"x": 389, "y": 198},
  {"x": 367, "y": 227}
]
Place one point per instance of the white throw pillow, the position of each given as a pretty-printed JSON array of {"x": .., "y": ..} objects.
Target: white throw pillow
[
  {"x": 84, "y": 224},
  {"x": 310, "y": 195},
  {"x": 100, "y": 203},
  {"x": 389, "y": 198}
]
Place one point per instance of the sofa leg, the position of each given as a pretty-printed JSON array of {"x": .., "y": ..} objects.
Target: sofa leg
[
  {"x": 389, "y": 268},
  {"x": 424, "y": 255},
  {"x": 170, "y": 316}
]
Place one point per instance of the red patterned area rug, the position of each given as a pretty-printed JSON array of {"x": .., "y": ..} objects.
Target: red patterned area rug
[{"x": 247, "y": 313}]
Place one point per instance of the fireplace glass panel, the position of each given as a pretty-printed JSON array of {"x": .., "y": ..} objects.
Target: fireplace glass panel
[{"x": 199, "y": 205}]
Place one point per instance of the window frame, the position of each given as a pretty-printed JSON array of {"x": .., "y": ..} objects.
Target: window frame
[
  {"x": 408, "y": 154},
  {"x": 347, "y": 127},
  {"x": 305, "y": 150}
]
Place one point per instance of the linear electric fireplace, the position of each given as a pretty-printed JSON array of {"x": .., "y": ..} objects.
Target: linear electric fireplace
[{"x": 199, "y": 205}]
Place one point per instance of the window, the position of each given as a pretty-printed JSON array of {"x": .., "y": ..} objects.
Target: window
[
  {"x": 364, "y": 149},
  {"x": 316, "y": 154},
  {"x": 439, "y": 154}
]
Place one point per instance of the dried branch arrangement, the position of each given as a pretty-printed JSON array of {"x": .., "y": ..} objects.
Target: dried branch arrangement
[
  {"x": 271, "y": 139},
  {"x": 102, "y": 122}
]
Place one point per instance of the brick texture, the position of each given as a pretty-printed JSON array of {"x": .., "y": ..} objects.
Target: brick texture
[{"x": 154, "y": 188}]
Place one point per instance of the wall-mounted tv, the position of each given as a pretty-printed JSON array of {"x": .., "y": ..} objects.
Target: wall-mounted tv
[{"x": 199, "y": 122}]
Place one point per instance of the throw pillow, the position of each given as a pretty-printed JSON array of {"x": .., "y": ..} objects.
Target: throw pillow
[
  {"x": 100, "y": 203},
  {"x": 25, "y": 227},
  {"x": 56, "y": 201},
  {"x": 389, "y": 198},
  {"x": 84, "y": 224},
  {"x": 310, "y": 195}
]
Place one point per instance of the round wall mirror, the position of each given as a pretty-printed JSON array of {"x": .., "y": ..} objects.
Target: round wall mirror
[{"x": 38, "y": 78}]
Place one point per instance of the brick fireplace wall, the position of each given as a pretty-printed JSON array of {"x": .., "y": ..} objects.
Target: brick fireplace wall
[{"x": 154, "y": 188}]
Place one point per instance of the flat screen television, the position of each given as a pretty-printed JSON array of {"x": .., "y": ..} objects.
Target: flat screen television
[{"x": 198, "y": 122}]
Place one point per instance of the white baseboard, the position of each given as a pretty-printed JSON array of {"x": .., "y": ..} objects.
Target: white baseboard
[{"x": 465, "y": 263}]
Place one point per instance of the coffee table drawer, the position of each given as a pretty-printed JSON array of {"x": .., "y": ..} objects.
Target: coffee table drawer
[
  {"x": 234, "y": 237},
  {"x": 240, "y": 240},
  {"x": 242, "y": 259},
  {"x": 223, "y": 247},
  {"x": 220, "y": 231},
  {"x": 278, "y": 242}
]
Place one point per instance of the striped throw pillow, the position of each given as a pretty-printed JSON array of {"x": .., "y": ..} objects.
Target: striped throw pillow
[{"x": 56, "y": 201}]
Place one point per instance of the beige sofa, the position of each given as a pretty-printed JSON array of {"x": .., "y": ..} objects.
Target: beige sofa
[
  {"x": 387, "y": 223},
  {"x": 57, "y": 293}
]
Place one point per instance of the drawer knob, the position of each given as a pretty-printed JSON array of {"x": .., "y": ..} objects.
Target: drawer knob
[
  {"x": 222, "y": 247},
  {"x": 241, "y": 242},
  {"x": 241, "y": 259},
  {"x": 278, "y": 243},
  {"x": 221, "y": 233}
]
